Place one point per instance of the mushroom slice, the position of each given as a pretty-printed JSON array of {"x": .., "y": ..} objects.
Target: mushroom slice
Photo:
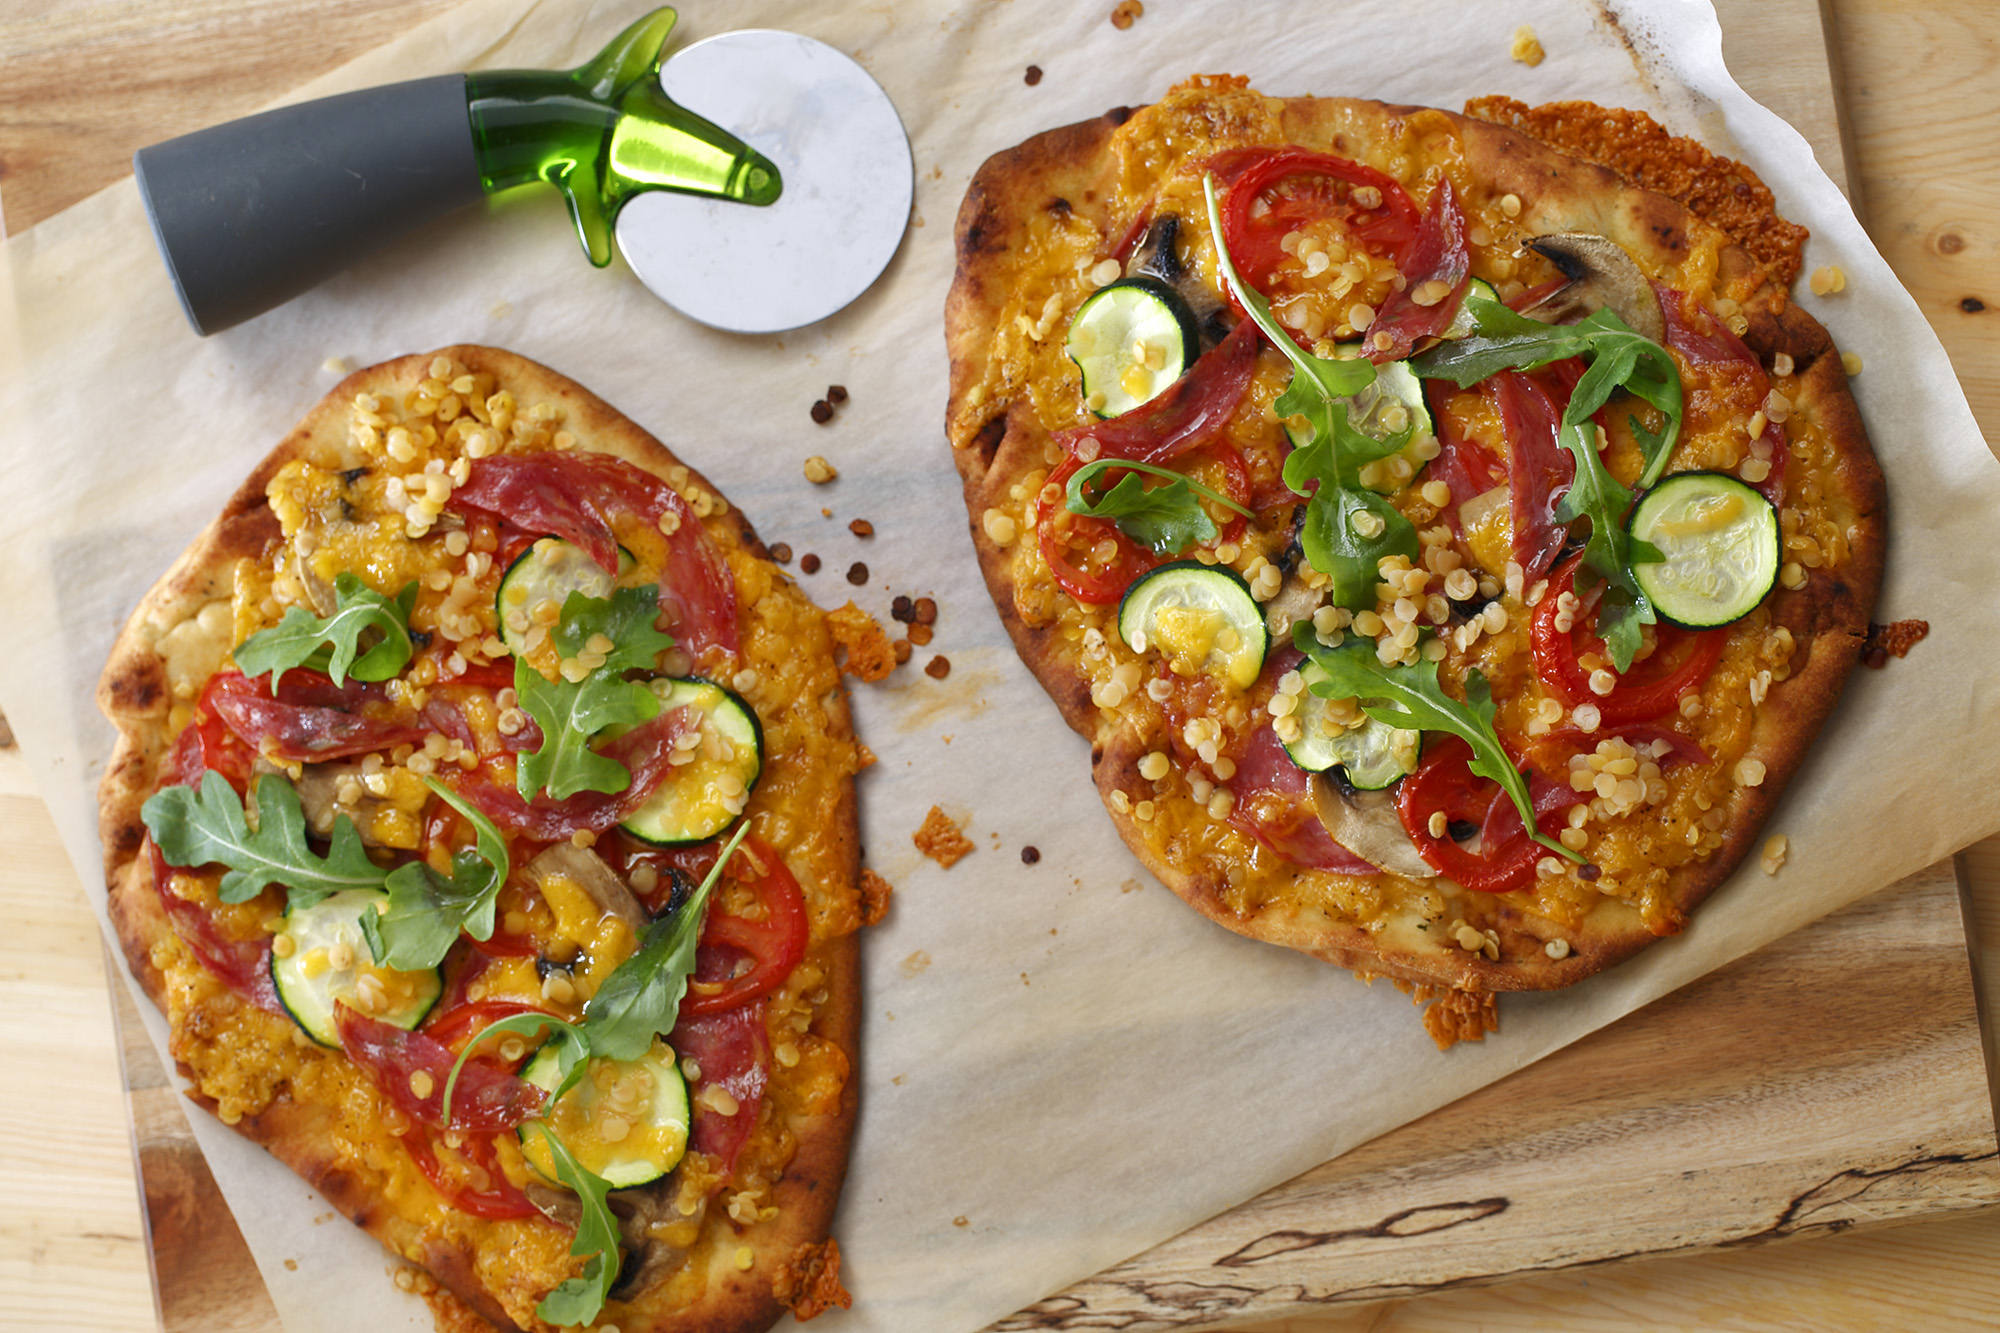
[
  {"x": 1366, "y": 823},
  {"x": 587, "y": 871},
  {"x": 643, "y": 1214},
  {"x": 1601, "y": 273},
  {"x": 1158, "y": 256},
  {"x": 319, "y": 788}
]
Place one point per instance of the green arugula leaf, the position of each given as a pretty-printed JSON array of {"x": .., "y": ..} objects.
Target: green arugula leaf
[
  {"x": 642, "y": 997},
  {"x": 211, "y": 828},
  {"x": 1167, "y": 518},
  {"x": 426, "y": 911},
  {"x": 333, "y": 644},
  {"x": 1326, "y": 470},
  {"x": 1411, "y": 697},
  {"x": 1618, "y": 357},
  {"x": 626, "y": 618},
  {"x": 1609, "y": 552},
  {"x": 575, "y": 1050},
  {"x": 571, "y": 713},
  {"x": 577, "y": 1300}
]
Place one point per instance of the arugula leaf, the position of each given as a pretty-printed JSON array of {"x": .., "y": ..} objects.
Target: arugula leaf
[
  {"x": 1326, "y": 470},
  {"x": 1412, "y": 698},
  {"x": 569, "y": 1059},
  {"x": 426, "y": 911},
  {"x": 333, "y": 644},
  {"x": 642, "y": 997},
  {"x": 1618, "y": 357},
  {"x": 1610, "y": 551},
  {"x": 570, "y": 713},
  {"x": 626, "y": 618},
  {"x": 1167, "y": 518},
  {"x": 210, "y": 828},
  {"x": 577, "y": 1300}
]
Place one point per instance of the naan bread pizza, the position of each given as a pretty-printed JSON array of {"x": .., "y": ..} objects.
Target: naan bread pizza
[
  {"x": 482, "y": 820},
  {"x": 1448, "y": 548}
]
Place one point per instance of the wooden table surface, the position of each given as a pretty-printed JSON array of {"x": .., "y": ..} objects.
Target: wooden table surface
[{"x": 1920, "y": 85}]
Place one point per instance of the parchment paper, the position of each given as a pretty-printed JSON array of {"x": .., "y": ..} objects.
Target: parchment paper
[{"x": 1063, "y": 1065}]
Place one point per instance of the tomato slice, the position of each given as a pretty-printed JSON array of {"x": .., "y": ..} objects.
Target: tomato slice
[
  {"x": 743, "y": 958},
  {"x": 1298, "y": 187},
  {"x": 1681, "y": 660},
  {"x": 499, "y": 1201},
  {"x": 1059, "y": 532},
  {"x": 1506, "y": 858}
]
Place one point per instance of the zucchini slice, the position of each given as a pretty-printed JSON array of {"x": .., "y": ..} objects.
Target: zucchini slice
[
  {"x": 1461, "y": 325},
  {"x": 1720, "y": 546},
  {"x": 703, "y": 796},
  {"x": 329, "y": 958},
  {"x": 1392, "y": 403},
  {"x": 1130, "y": 340},
  {"x": 550, "y": 570},
  {"x": 625, "y": 1120},
  {"x": 1200, "y": 618},
  {"x": 1373, "y": 753}
]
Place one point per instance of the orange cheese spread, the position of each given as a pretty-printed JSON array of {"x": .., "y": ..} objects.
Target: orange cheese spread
[{"x": 1636, "y": 826}]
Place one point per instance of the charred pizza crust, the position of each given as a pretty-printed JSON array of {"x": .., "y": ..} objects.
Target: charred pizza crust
[
  {"x": 1040, "y": 217},
  {"x": 320, "y": 1114}
]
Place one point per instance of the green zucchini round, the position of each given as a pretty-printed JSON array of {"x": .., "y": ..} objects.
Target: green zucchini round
[
  {"x": 1129, "y": 341},
  {"x": 693, "y": 804},
  {"x": 1200, "y": 617},
  {"x": 1720, "y": 544},
  {"x": 648, "y": 1133},
  {"x": 310, "y": 981}
]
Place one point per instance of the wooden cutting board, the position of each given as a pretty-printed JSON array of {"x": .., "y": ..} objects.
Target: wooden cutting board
[{"x": 1834, "y": 1080}]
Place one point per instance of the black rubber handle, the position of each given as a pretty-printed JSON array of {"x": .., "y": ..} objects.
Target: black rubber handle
[{"x": 251, "y": 213}]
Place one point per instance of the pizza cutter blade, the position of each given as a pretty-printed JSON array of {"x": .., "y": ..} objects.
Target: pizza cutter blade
[{"x": 751, "y": 239}]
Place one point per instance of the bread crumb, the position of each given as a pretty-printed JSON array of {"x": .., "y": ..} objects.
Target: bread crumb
[
  {"x": 875, "y": 893},
  {"x": 1527, "y": 49},
  {"x": 865, "y": 650},
  {"x": 1127, "y": 10},
  {"x": 808, "y": 1283},
  {"x": 940, "y": 839}
]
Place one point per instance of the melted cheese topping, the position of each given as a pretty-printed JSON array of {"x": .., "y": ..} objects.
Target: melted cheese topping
[
  {"x": 373, "y": 505},
  {"x": 1651, "y": 822}
]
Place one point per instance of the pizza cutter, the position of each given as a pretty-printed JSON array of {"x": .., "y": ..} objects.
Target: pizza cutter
[{"x": 749, "y": 239}]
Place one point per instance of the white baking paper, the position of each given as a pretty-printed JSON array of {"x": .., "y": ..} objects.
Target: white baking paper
[{"x": 1062, "y": 1064}]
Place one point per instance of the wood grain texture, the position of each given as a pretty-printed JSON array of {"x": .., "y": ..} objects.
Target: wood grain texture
[
  {"x": 1672, "y": 1131},
  {"x": 1922, "y": 86}
]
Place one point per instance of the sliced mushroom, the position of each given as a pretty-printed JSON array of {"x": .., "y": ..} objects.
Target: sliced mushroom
[
  {"x": 319, "y": 788},
  {"x": 641, "y": 1214},
  {"x": 1601, "y": 273},
  {"x": 1158, "y": 256},
  {"x": 589, "y": 872},
  {"x": 319, "y": 593},
  {"x": 1366, "y": 823},
  {"x": 1294, "y": 602},
  {"x": 558, "y": 1205}
]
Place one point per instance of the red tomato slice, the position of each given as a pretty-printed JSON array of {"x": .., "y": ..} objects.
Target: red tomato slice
[
  {"x": 498, "y": 1201},
  {"x": 1060, "y": 532},
  {"x": 1444, "y": 782},
  {"x": 1680, "y": 662},
  {"x": 455, "y": 1027},
  {"x": 1298, "y": 187},
  {"x": 741, "y": 959}
]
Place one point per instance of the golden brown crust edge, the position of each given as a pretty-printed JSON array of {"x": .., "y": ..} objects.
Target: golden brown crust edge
[
  {"x": 991, "y": 449},
  {"x": 135, "y": 694}
]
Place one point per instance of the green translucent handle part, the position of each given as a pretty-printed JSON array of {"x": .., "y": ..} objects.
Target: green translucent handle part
[{"x": 603, "y": 132}]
